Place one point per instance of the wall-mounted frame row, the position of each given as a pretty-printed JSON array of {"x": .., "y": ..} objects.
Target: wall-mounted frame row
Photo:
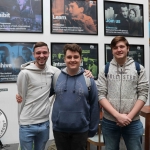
[
  {"x": 68, "y": 17},
  {"x": 13, "y": 54}
]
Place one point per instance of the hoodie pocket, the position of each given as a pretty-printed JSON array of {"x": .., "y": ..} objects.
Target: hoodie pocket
[{"x": 71, "y": 120}]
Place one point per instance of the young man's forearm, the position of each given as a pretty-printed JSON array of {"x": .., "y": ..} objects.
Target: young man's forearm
[{"x": 137, "y": 107}]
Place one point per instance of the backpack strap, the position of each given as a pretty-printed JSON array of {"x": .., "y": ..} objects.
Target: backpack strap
[
  {"x": 137, "y": 66},
  {"x": 106, "y": 69}
]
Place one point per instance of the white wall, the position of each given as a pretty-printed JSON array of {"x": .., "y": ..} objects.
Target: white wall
[{"x": 7, "y": 99}]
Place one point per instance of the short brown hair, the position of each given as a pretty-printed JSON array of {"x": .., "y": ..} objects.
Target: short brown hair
[
  {"x": 73, "y": 48},
  {"x": 39, "y": 44},
  {"x": 118, "y": 39}
]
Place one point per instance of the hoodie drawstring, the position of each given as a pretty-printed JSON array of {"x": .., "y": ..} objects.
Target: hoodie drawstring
[
  {"x": 74, "y": 88},
  {"x": 45, "y": 76},
  {"x": 65, "y": 89}
]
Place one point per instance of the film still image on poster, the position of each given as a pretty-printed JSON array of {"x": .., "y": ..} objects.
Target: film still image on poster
[
  {"x": 89, "y": 56},
  {"x": 121, "y": 18},
  {"x": 135, "y": 51},
  {"x": 12, "y": 55},
  {"x": 23, "y": 16},
  {"x": 74, "y": 16}
]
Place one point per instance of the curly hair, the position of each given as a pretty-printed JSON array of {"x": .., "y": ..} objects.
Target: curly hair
[{"x": 72, "y": 47}]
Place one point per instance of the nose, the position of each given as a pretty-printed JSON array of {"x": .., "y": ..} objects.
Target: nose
[
  {"x": 41, "y": 55},
  {"x": 72, "y": 59},
  {"x": 119, "y": 48}
]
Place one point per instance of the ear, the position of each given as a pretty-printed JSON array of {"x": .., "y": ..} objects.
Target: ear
[
  {"x": 82, "y": 9},
  {"x": 128, "y": 48}
]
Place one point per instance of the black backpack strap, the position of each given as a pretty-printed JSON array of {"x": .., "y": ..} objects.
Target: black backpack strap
[
  {"x": 106, "y": 69},
  {"x": 137, "y": 66}
]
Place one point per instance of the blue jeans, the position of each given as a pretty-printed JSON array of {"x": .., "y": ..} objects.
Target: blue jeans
[
  {"x": 37, "y": 133},
  {"x": 132, "y": 135}
]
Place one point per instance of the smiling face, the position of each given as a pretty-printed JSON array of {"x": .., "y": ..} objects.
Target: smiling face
[
  {"x": 41, "y": 55},
  {"x": 72, "y": 60},
  {"x": 120, "y": 51}
]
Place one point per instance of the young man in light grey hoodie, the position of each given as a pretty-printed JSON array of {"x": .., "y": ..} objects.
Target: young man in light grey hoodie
[
  {"x": 34, "y": 82},
  {"x": 122, "y": 94}
]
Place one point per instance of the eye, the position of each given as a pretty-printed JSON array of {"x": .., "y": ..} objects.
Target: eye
[
  {"x": 69, "y": 57},
  {"x": 76, "y": 57},
  {"x": 122, "y": 46}
]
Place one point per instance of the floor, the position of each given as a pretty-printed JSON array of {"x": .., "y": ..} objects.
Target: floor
[{"x": 15, "y": 146}]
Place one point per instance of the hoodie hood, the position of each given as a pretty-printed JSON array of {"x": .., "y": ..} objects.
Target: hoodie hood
[
  {"x": 31, "y": 66},
  {"x": 80, "y": 72},
  {"x": 127, "y": 63}
]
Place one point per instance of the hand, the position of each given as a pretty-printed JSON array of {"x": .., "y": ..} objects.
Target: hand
[
  {"x": 18, "y": 98},
  {"x": 88, "y": 73},
  {"x": 123, "y": 120}
]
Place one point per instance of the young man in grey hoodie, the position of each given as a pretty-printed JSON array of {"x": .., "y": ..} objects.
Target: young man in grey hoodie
[
  {"x": 122, "y": 94},
  {"x": 34, "y": 82}
]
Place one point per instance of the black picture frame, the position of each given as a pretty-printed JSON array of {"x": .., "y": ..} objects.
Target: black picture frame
[
  {"x": 15, "y": 18},
  {"x": 13, "y": 55},
  {"x": 89, "y": 56},
  {"x": 63, "y": 22},
  {"x": 125, "y": 19},
  {"x": 136, "y": 51}
]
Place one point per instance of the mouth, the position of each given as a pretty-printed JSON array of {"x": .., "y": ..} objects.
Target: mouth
[{"x": 120, "y": 54}]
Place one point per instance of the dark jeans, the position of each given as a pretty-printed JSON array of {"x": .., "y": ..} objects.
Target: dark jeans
[
  {"x": 132, "y": 135},
  {"x": 70, "y": 141}
]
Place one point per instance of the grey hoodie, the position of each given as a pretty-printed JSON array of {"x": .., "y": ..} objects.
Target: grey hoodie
[
  {"x": 34, "y": 88},
  {"x": 123, "y": 87}
]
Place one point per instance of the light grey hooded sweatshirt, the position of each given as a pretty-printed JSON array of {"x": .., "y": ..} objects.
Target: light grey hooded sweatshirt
[
  {"x": 34, "y": 88},
  {"x": 123, "y": 87}
]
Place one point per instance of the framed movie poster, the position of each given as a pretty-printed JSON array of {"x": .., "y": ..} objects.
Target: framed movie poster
[
  {"x": 135, "y": 51},
  {"x": 89, "y": 56},
  {"x": 12, "y": 55},
  {"x": 75, "y": 17},
  {"x": 121, "y": 18},
  {"x": 22, "y": 16}
]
